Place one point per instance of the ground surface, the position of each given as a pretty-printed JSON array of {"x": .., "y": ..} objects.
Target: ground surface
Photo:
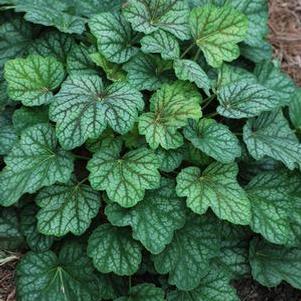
[{"x": 285, "y": 35}]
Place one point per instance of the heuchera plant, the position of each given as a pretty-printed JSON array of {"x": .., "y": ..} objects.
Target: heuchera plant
[{"x": 150, "y": 150}]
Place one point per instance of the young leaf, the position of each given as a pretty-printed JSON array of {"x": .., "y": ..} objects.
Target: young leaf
[
  {"x": 217, "y": 30},
  {"x": 170, "y": 109},
  {"x": 161, "y": 42},
  {"x": 147, "y": 72},
  {"x": 273, "y": 78},
  {"x": 146, "y": 292},
  {"x": 66, "y": 208},
  {"x": 274, "y": 205},
  {"x": 217, "y": 188},
  {"x": 113, "y": 250},
  {"x": 214, "y": 286},
  {"x": 125, "y": 178},
  {"x": 35, "y": 161},
  {"x": 68, "y": 277},
  {"x": 242, "y": 100},
  {"x": 271, "y": 264},
  {"x": 114, "y": 36},
  {"x": 32, "y": 80},
  {"x": 191, "y": 71},
  {"x": 153, "y": 220},
  {"x": 151, "y": 15},
  {"x": 188, "y": 256},
  {"x": 169, "y": 159},
  {"x": 270, "y": 135},
  {"x": 84, "y": 107},
  {"x": 214, "y": 139}
]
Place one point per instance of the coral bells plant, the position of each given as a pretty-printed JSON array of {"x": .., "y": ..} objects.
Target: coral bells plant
[{"x": 149, "y": 150}]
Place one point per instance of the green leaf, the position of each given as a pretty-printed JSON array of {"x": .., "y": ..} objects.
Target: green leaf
[
  {"x": 28, "y": 225},
  {"x": 191, "y": 71},
  {"x": 170, "y": 108},
  {"x": 243, "y": 100},
  {"x": 55, "y": 44},
  {"x": 270, "y": 135},
  {"x": 146, "y": 292},
  {"x": 193, "y": 246},
  {"x": 10, "y": 235},
  {"x": 214, "y": 139},
  {"x": 8, "y": 138},
  {"x": 113, "y": 71},
  {"x": 195, "y": 156},
  {"x": 124, "y": 178},
  {"x": 271, "y": 76},
  {"x": 32, "y": 80},
  {"x": 147, "y": 72},
  {"x": 271, "y": 264},
  {"x": 35, "y": 161},
  {"x": 79, "y": 61},
  {"x": 51, "y": 13},
  {"x": 15, "y": 37},
  {"x": 274, "y": 206},
  {"x": 114, "y": 250},
  {"x": 151, "y": 15},
  {"x": 84, "y": 108},
  {"x": 217, "y": 30},
  {"x": 24, "y": 117},
  {"x": 66, "y": 208},
  {"x": 161, "y": 42},
  {"x": 214, "y": 286},
  {"x": 169, "y": 159},
  {"x": 295, "y": 109},
  {"x": 153, "y": 220},
  {"x": 115, "y": 38},
  {"x": 215, "y": 187},
  {"x": 68, "y": 277},
  {"x": 257, "y": 54}
]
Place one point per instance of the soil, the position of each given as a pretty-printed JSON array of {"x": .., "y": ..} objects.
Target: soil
[{"x": 285, "y": 36}]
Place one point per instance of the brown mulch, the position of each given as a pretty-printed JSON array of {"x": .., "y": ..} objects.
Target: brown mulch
[
  {"x": 285, "y": 35},
  {"x": 7, "y": 286}
]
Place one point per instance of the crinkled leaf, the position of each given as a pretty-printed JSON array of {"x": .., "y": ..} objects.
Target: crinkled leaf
[
  {"x": 114, "y": 250},
  {"x": 257, "y": 54},
  {"x": 153, "y": 220},
  {"x": 147, "y": 72},
  {"x": 214, "y": 139},
  {"x": 35, "y": 161},
  {"x": 244, "y": 99},
  {"x": 28, "y": 225},
  {"x": 161, "y": 42},
  {"x": 24, "y": 117},
  {"x": 170, "y": 108},
  {"x": 124, "y": 178},
  {"x": 32, "y": 80},
  {"x": 217, "y": 30},
  {"x": 84, "y": 107},
  {"x": 191, "y": 71},
  {"x": 214, "y": 286},
  {"x": 295, "y": 109},
  {"x": 271, "y": 264},
  {"x": 67, "y": 277},
  {"x": 15, "y": 37},
  {"x": 112, "y": 70},
  {"x": 187, "y": 257},
  {"x": 215, "y": 187},
  {"x": 114, "y": 35},
  {"x": 151, "y": 15},
  {"x": 10, "y": 235},
  {"x": 274, "y": 206},
  {"x": 145, "y": 291},
  {"x": 270, "y": 135},
  {"x": 271, "y": 76},
  {"x": 8, "y": 138},
  {"x": 51, "y": 13},
  {"x": 66, "y": 208},
  {"x": 169, "y": 159},
  {"x": 55, "y": 44}
]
